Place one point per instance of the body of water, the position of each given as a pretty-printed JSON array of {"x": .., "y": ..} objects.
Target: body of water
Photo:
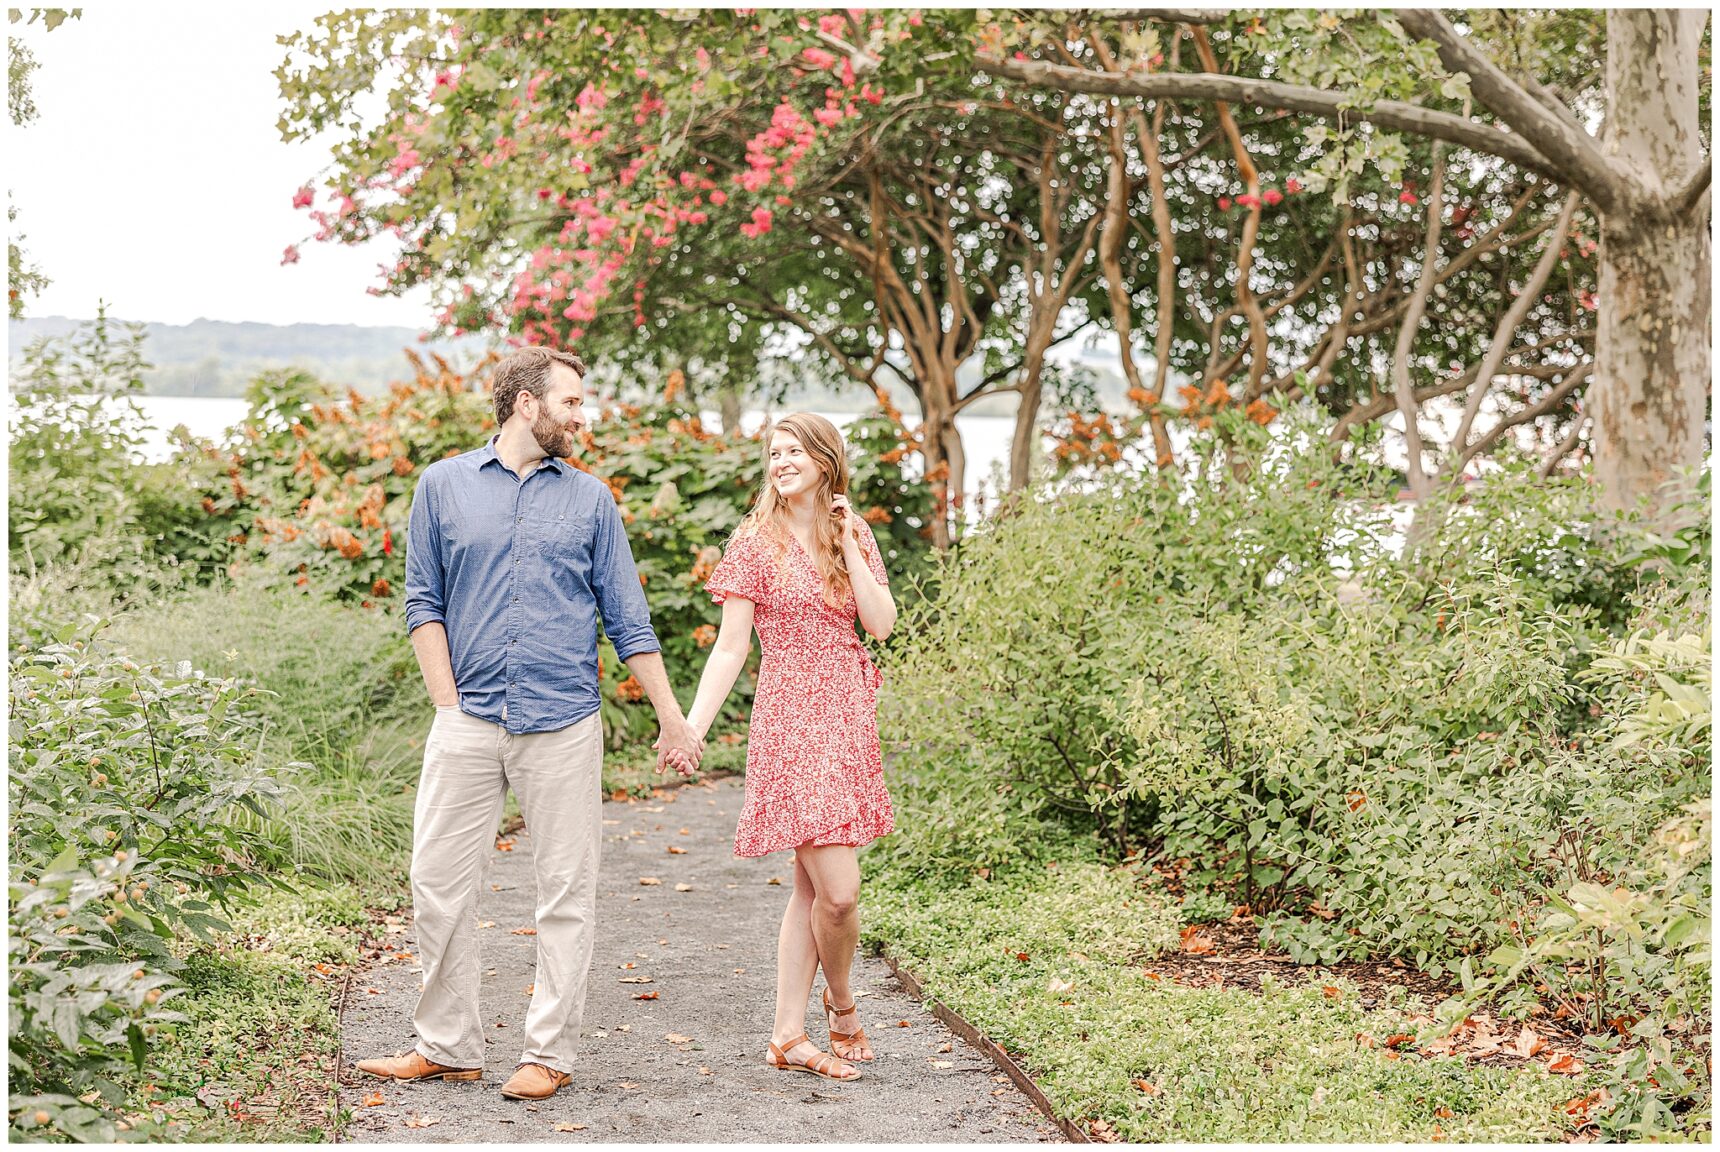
[{"x": 986, "y": 438}]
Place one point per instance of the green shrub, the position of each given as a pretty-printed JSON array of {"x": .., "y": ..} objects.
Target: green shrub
[
  {"x": 134, "y": 768},
  {"x": 1240, "y": 674}
]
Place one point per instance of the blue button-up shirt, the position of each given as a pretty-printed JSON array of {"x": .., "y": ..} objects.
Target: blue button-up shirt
[{"x": 517, "y": 572}]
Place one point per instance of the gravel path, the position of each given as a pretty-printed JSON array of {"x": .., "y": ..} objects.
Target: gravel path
[{"x": 687, "y": 1066}]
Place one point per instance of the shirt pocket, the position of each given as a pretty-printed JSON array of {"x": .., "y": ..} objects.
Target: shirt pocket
[{"x": 563, "y": 536}]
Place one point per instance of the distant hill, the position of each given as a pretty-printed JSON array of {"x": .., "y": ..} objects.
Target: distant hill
[{"x": 219, "y": 358}]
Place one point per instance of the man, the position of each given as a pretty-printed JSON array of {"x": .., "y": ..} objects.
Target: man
[{"x": 510, "y": 556}]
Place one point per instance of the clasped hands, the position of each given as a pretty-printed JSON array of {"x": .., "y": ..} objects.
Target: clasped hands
[{"x": 678, "y": 745}]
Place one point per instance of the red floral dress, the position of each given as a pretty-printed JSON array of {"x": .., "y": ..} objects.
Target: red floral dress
[{"x": 814, "y": 773}]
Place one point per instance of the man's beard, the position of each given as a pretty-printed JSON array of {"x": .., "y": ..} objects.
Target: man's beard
[{"x": 555, "y": 438}]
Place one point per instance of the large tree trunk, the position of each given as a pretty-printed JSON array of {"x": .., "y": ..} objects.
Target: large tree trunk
[{"x": 1652, "y": 366}]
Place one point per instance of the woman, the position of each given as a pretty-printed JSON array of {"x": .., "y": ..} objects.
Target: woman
[{"x": 800, "y": 568}]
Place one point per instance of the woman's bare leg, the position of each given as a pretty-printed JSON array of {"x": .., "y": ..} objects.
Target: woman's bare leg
[{"x": 835, "y": 877}]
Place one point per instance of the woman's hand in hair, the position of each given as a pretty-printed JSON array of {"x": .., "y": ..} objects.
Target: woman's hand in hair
[{"x": 847, "y": 523}]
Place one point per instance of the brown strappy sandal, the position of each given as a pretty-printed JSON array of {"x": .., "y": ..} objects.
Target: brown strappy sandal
[
  {"x": 819, "y": 1064},
  {"x": 838, "y": 1039}
]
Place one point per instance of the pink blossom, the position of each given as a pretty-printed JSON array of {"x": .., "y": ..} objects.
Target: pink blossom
[
  {"x": 290, "y": 255},
  {"x": 1273, "y": 196},
  {"x": 1407, "y": 197},
  {"x": 818, "y": 58},
  {"x": 914, "y": 19},
  {"x": 1248, "y": 200},
  {"x": 719, "y": 197},
  {"x": 761, "y": 222},
  {"x": 704, "y": 59},
  {"x": 1292, "y": 186},
  {"x": 870, "y": 95},
  {"x": 303, "y": 197},
  {"x": 1224, "y": 203},
  {"x": 829, "y": 117}
]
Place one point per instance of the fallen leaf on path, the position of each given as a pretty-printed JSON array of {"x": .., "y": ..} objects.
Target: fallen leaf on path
[
  {"x": 1057, "y": 985},
  {"x": 629, "y": 964},
  {"x": 942, "y": 1064},
  {"x": 1149, "y": 1088},
  {"x": 946, "y": 1047},
  {"x": 530, "y": 988},
  {"x": 422, "y": 1121},
  {"x": 1023, "y": 957},
  {"x": 629, "y": 1085},
  {"x": 649, "y": 881},
  {"x": 1329, "y": 992},
  {"x": 683, "y": 887},
  {"x": 677, "y": 1038},
  {"x": 570, "y": 1127},
  {"x": 646, "y": 996},
  {"x": 373, "y": 991},
  {"x": 684, "y": 832},
  {"x": 373, "y": 1100},
  {"x": 1398, "y": 1039},
  {"x": 677, "y": 850},
  {"x": 1442, "y": 1113},
  {"x": 704, "y": 1071},
  {"x": 1579, "y": 1107},
  {"x": 636, "y": 979},
  {"x": 774, "y": 880},
  {"x": 903, "y": 1024},
  {"x": 504, "y": 845},
  {"x": 486, "y": 923},
  {"x": 1103, "y": 1132},
  {"x": 1566, "y": 1065},
  {"x": 524, "y": 932}
]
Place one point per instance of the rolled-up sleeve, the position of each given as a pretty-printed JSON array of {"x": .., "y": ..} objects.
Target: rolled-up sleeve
[
  {"x": 615, "y": 579},
  {"x": 426, "y": 592}
]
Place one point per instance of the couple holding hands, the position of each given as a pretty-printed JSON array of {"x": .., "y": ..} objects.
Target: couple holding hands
[{"x": 511, "y": 556}]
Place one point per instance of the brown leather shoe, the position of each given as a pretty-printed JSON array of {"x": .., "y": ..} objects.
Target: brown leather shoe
[
  {"x": 534, "y": 1082},
  {"x": 413, "y": 1066}
]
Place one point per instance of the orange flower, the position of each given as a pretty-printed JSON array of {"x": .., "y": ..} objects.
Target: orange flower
[
  {"x": 705, "y": 635},
  {"x": 1143, "y": 397},
  {"x": 1219, "y": 394},
  {"x": 402, "y": 466},
  {"x": 381, "y": 588},
  {"x": 630, "y": 689},
  {"x": 705, "y": 562},
  {"x": 677, "y": 381},
  {"x": 1189, "y": 393},
  {"x": 1261, "y": 412},
  {"x": 344, "y": 542},
  {"x": 877, "y": 516}
]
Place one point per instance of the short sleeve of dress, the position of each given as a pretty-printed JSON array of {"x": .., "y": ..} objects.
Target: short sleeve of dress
[
  {"x": 743, "y": 571},
  {"x": 874, "y": 557}
]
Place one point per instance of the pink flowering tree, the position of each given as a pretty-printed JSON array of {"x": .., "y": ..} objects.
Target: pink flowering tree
[{"x": 703, "y": 193}]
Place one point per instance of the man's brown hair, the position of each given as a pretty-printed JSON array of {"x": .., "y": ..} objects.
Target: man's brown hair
[{"x": 527, "y": 371}]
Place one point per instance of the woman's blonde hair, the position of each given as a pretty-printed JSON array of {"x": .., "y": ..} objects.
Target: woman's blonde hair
[{"x": 769, "y": 516}]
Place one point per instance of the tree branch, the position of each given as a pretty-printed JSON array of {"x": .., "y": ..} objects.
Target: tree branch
[
  {"x": 1507, "y": 327},
  {"x": 1573, "y": 153},
  {"x": 1686, "y": 198},
  {"x": 1401, "y": 386},
  {"x": 1546, "y": 404},
  {"x": 1392, "y": 114}
]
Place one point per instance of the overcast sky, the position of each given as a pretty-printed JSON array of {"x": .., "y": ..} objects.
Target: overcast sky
[{"x": 154, "y": 177}]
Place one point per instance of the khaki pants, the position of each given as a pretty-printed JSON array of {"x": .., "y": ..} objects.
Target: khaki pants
[{"x": 468, "y": 766}]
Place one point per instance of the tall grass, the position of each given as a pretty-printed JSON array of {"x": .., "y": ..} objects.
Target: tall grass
[{"x": 345, "y": 714}]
